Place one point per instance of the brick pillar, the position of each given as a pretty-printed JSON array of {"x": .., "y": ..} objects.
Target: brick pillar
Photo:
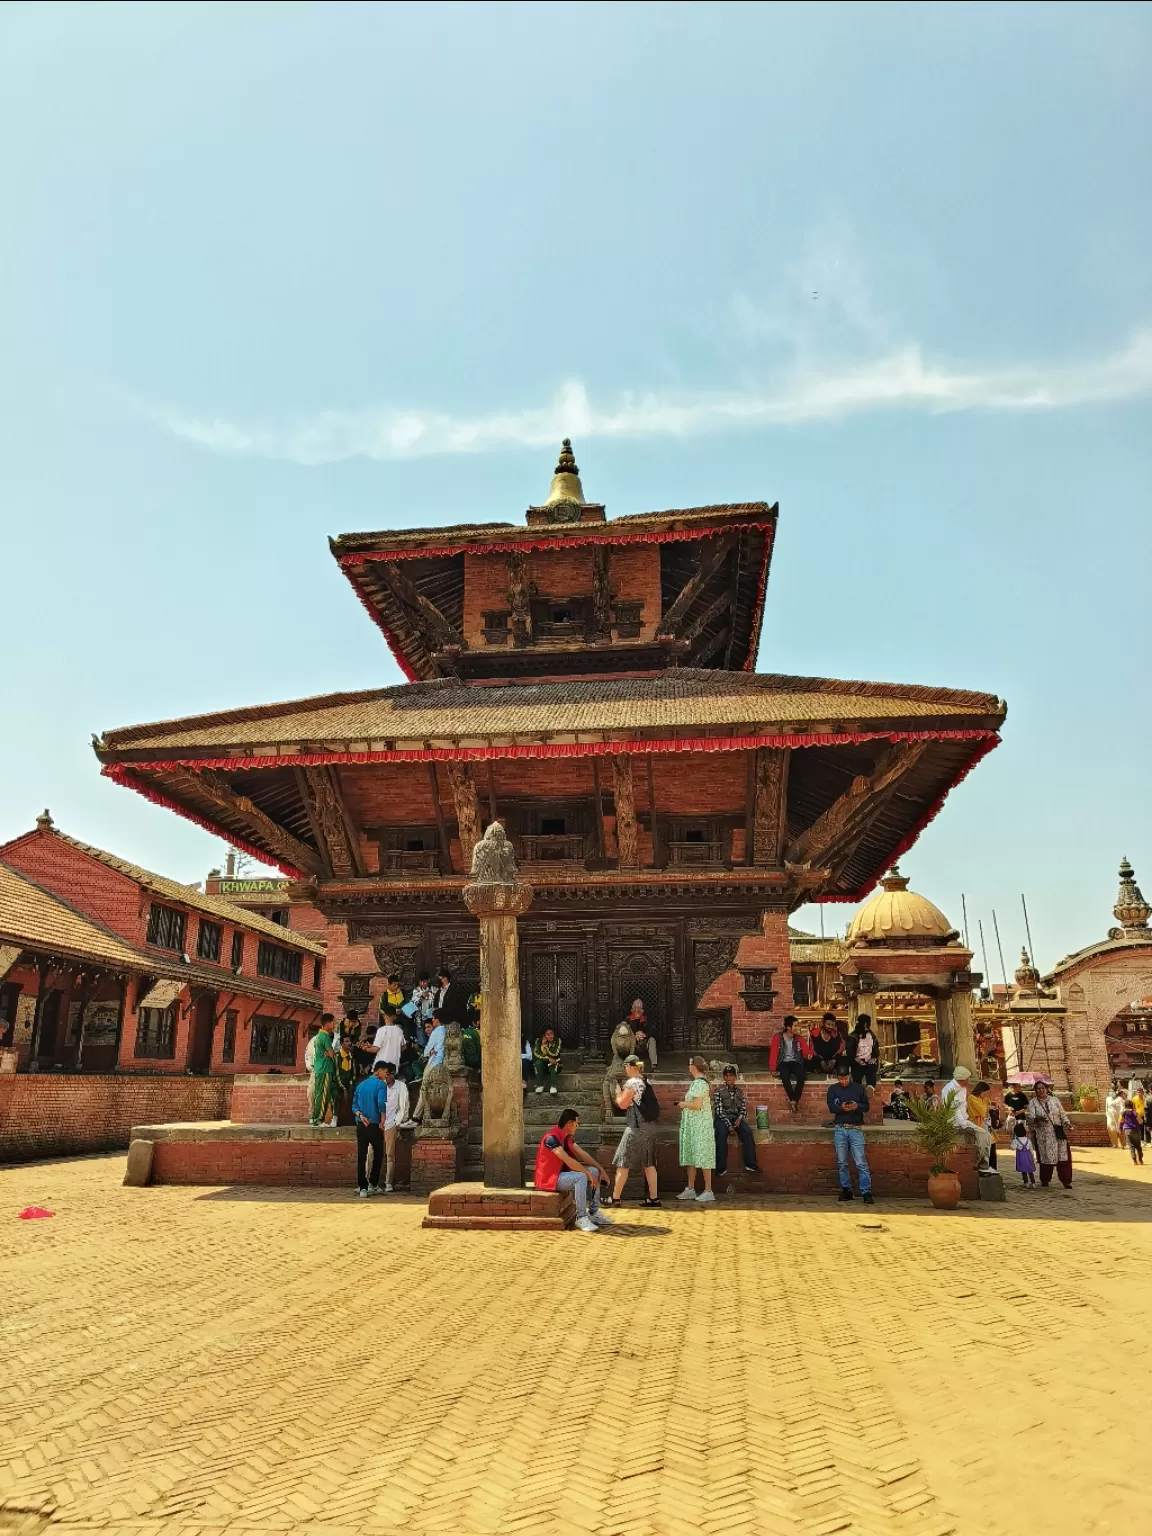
[{"x": 496, "y": 898}]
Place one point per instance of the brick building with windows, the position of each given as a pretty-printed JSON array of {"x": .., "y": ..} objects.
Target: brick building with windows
[
  {"x": 105, "y": 966},
  {"x": 588, "y": 682}
]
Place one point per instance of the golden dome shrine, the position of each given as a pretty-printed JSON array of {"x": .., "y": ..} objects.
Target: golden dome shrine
[{"x": 895, "y": 915}]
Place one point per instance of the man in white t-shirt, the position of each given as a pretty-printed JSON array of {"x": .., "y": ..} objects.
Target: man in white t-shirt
[
  {"x": 389, "y": 1041},
  {"x": 394, "y": 1117}
]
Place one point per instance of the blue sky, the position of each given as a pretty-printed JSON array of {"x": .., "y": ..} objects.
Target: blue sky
[{"x": 272, "y": 272}]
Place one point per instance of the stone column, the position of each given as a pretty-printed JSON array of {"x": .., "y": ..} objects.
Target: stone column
[{"x": 497, "y": 903}]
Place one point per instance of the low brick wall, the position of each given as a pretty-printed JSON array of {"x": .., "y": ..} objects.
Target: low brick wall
[
  {"x": 54, "y": 1114},
  {"x": 278, "y": 1156},
  {"x": 269, "y": 1100}
]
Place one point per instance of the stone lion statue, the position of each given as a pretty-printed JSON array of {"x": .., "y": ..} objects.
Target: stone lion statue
[
  {"x": 623, "y": 1044},
  {"x": 493, "y": 861},
  {"x": 434, "y": 1107}
]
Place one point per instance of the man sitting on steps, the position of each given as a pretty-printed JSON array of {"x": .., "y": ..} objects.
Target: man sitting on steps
[{"x": 561, "y": 1164}]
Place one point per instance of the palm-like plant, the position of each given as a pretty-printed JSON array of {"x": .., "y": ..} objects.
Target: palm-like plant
[{"x": 936, "y": 1131}]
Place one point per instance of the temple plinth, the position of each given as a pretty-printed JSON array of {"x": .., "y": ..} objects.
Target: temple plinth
[{"x": 497, "y": 899}]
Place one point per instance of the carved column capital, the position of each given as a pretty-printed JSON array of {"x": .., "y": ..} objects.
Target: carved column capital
[{"x": 497, "y": 900}]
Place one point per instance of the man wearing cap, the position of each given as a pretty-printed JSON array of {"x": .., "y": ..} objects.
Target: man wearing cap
[
  {"x": 730, "y": 1113},
  {"x": 956, "y": 1094}
]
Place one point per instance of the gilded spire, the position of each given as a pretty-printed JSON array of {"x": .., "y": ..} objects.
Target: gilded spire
[
  {"x": 1027, "y": 976},
  {"x": 1131, "y": 910},
  {"x": 566, "y": 485}
]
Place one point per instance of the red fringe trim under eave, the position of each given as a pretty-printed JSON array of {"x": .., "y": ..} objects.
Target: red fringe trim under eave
[
  {"x": 546, "y": 750},
  {"x": 510, "y": 546},
  {"x": 930, "y": 815},
  {"x": 393, "y": 643},
  {"x": 761, "y": 591},
  {"x": 126, "y": 778}
]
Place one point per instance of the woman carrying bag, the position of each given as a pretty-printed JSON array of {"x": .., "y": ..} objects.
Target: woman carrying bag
[{"x": 1049, "y": 1124}]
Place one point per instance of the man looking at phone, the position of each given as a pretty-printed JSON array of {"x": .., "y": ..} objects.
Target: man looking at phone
[{"x": 848, "y": 1103}]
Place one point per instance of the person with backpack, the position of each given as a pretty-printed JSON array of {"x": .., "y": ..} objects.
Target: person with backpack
[{"x": 637, "y": 1148}]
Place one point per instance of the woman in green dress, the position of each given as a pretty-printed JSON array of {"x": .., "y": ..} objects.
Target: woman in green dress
[
  {"x": 323, "y": 1079},
  {"x": 697, "y": 1136}
]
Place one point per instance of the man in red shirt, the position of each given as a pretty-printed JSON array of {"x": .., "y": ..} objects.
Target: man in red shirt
[{"x": 561, "y": 1164}]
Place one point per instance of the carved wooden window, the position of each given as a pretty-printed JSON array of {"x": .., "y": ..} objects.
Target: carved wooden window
[
  {"x": 408, "y": 850},
  {"x": 554, "y": 833},
  {"x": 228, "y": 1047},
  {"x": 317, "y": 974},
  {"x": 208, "y": 941},
  {"x": 356, "y": 992},
  {"x": 804, "y": 988},
  {"x": 166, "y": 927},
  {"x": 496, "y": 626},
  {"x": 237, "y": 950},
  {"x": 279, "y": 964},
  {"x": 627, "y": 620},
  {"x": 695, "y": 843},
  {"x": 273, "y": 1042},
  {"x": 156, "y": 1032},
  {"x": 561, "y": 618}
]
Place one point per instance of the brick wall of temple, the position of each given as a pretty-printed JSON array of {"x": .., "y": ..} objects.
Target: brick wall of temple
[
  {"x": 1094, "y": 993},
  {"x": 85, "y": 883},
  {"x": 59, "y": 1115},
  {"x": 634, "y": 572}
]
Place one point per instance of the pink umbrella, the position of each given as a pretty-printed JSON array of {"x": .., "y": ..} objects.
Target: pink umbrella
[{"x": 1029, "y": 1079}]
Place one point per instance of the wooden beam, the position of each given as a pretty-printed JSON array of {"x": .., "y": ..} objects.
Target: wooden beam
[
  {"x": 714, "y": 609},
  {"x": 445, "y": 634},
  {"x": 467, "y": 809},
  {"x": 441, "y": 825},
  {"x": 624, "y": 796},
  {"x": 709, "y": 649},
  {"x": 846, "y": 818},
  {"x": 332, "y": 826},
  {"x": 710, "y": 563},
  {"x": 215, "y": 788},
  {"x": 598, "y": 799},
  {"x": 770, "y": 805}
]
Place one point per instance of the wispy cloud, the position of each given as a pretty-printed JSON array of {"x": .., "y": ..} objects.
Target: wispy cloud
[{"x": 898, "y": 379}]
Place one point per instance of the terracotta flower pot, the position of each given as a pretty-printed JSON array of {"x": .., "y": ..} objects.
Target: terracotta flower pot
[
  {"x": 944, "y": 1191},
  {"x": 1089, "y": 1105}
]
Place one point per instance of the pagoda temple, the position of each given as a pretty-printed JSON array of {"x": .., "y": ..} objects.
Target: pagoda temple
[{"x": 588, "y": 682}]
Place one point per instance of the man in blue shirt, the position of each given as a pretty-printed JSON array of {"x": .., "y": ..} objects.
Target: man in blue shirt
[
  {"x": 434, "y": 1050},
  {"x": 370, "y": 1110},
  {"x": 848, "y": 1103}
]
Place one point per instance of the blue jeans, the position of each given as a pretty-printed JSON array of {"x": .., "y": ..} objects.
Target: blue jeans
[
  {"x": 579, "y": 1185},
  {"x": 747, "y": 1143},
  {"x": 849, "y": 1139}
]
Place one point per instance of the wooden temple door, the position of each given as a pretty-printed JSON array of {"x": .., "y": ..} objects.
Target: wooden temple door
[
  {"x": 644, "y": 974},
  {"x": 200, "y": 1035},
  {"x": 551, "y": 993}
]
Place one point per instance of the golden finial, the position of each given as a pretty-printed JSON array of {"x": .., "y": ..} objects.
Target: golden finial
[{"x": 566, "y": 481}]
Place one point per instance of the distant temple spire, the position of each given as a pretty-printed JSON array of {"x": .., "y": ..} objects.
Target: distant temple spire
[
  {"x": 1027, "y": 976},
  {"x": 566, "y": 485},
  {"x": 1131, "y": 910}
]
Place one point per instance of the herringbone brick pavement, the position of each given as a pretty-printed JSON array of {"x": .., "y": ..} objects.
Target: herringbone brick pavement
[{"x": 235, "y": 1363}]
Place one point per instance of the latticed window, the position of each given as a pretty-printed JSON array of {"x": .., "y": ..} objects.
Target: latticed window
[
  {"x": 166, "y": 927},
  {"x": 317, "y": 974},
  {"x": 803, "y": 988},
  {"x": 156, "y": 1032},
  {"x": 228, "y": 1046},
  {"x": 208, "y": 941},
  {"x": 273, "y": 1042},
  {"x": 237, "y": 950},
  {"x": 279, "y": 964}
]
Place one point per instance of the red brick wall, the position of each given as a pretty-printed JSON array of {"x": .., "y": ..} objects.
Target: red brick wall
[
  {"x": 53, "y": 1115},
  {"x": 327, "y": 1163},
  {"x": 270, "y": 1101},
  {"x": 85, "y": 883},
  {"x": 560, "y": 573},
  {"x": 769, "y": 949}
]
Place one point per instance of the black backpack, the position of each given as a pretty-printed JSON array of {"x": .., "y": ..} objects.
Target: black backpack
[{"x": 649, "y": 1104}]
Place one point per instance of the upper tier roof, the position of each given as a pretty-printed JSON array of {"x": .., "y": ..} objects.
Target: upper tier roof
[{"x": 713, "y": 570}]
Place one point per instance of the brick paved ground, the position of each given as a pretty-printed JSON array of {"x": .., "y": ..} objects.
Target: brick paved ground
[{"x": 186, "y": 1361}]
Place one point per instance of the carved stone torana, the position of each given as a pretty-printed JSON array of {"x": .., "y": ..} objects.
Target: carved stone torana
[
  {"x": 770, "y": 804},
  {"x": 493, "y": 860},
  {"x": 467, "y": 808},
  {"x": 601, "y": 591},
  {"x": 518, "y": 600},
  {"x": 214, "y": 787},
  {"x": 626, "y": 830},
  {"x": 710, "y": 959}
]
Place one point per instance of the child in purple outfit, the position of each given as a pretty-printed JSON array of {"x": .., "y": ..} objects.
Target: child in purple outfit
[
  {"x": 1025, "y": 1159},
  {"x": 1133, "y": 1131}
]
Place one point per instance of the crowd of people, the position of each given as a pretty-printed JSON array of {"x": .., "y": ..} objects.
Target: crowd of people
[{"x": 1127, "y": 1117}]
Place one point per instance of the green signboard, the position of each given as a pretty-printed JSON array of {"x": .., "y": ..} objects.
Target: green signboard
[{"x": 253, "y": 887}]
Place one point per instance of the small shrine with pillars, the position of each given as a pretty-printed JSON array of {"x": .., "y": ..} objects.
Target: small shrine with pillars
[{"x": 589, "y": 683}]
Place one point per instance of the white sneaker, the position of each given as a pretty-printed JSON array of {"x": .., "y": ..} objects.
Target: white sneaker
[
  {"x": 706, "y": 1197},
  {"x": 363, "y": 1194},
  {"x": 687, "y": 1194},
  {"x": 601, "y": 1220},
  {"x": 586, "y": 1224},
  {"x": 539, "y": 1090},
  {"x": 373, "y": 1189},
  {"x": 551, "y": 1090},
  {"x": 387, "y": 1189}
]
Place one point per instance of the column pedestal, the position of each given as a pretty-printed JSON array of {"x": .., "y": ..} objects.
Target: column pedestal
[{"x": 497, "y": 908}]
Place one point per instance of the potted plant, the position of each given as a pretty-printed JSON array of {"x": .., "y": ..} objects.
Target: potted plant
[
  {"x": 1089, "y": 1098},
  {"x": 939, "y": 1136}
]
